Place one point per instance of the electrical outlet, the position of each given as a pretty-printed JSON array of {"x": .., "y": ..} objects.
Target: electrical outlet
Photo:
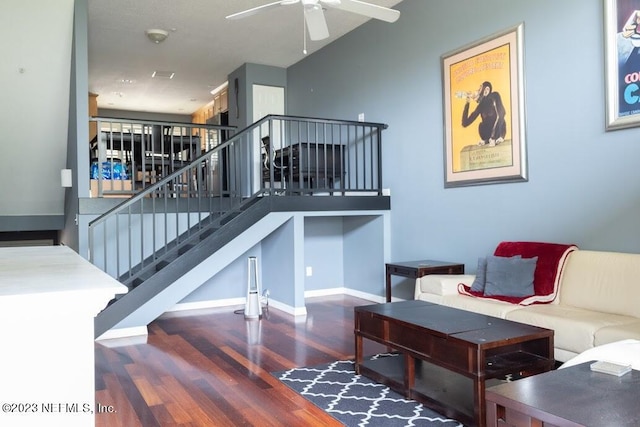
[
  {"x": 309, "y": 272},
  {"x": 361, "y": 117}
]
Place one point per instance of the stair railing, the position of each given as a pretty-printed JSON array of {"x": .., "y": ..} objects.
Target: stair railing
[{"x": 276, "y": 155}]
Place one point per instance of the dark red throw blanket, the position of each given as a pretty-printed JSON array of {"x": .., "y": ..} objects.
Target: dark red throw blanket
[{"x": 551, "y": 259}]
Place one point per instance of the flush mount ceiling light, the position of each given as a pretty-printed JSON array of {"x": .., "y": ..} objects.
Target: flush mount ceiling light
[{"x": 156, "y": 35}]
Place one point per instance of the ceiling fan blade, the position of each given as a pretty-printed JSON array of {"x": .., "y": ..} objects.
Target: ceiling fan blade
[
  {"x": 255, "y": 10},
  {"x": 366, "y": 9},
  {"x": 316, "y": 24}
]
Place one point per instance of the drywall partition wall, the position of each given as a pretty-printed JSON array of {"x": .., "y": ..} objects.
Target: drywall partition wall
[
  {"x": 323, "y": 253},
  {"x": 240, "y": 104},
  {"x": 78, "y": 129},
  {"x": 34, "y": 110},
  {"x": 282, "y": 257},
  {"x": 364, "y": 253},
  {"x": 584, "y": 183},
  {"x": 266, "y": 100}
]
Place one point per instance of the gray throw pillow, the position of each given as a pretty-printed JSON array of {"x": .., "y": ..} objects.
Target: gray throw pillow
[
  {"x": 481, "y": 276},
  {"x": 479, "y": 282},
  {"x": 512, "y": 277}
]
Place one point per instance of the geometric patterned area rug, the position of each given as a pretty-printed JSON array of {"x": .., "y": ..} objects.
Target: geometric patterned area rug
[{"x": 357, "y": 401}]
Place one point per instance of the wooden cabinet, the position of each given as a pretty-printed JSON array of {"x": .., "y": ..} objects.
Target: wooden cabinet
[
  {"x": 204, "y": 114},
  {"x": 219, "y": 104}
]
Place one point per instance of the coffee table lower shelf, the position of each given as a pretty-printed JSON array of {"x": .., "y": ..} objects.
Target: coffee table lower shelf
[{"x": 446, "y": 392}]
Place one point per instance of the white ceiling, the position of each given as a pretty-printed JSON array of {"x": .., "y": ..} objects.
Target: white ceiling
[{"x": 202, "y": 48}]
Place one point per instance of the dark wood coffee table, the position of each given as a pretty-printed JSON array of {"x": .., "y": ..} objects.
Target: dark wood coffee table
[
  {"x": 573, "y": 397},
  {"x": 448, "y": 356}
]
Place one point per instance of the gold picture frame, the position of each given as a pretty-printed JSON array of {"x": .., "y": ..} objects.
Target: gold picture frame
[
  {"x": 622, "y": 59},
  {"x": 483, "y": 92}
]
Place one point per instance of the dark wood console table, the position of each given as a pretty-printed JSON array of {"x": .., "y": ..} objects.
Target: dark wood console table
[
  {"x": 570, "y": 397},
  {"x": 415, "y": 269},
  {"x": 448, "y": 356}
]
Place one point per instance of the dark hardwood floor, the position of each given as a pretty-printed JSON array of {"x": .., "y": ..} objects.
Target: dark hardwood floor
[{"x": 213, "y": 368}]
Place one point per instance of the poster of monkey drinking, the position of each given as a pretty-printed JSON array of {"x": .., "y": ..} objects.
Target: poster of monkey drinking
[{"x": 483, "y": 111}]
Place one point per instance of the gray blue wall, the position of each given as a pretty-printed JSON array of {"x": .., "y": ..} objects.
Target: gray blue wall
[{"x": 584, "y": 183}]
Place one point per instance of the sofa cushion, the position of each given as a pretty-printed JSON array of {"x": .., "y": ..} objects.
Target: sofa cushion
[
  {"x": 604, "y": 281},
  {"x": 617, "y": 332},
  {"x": 574, "y": 328},
  {"x": 442, "y": 284},
  {"x": 487, "y": 306},
  {"x": 511, "y": 277}
]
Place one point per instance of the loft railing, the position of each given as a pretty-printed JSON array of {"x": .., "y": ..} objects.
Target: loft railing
[
  {"x": 129, "y": 155},
  {"x": 274, "y": 156}
]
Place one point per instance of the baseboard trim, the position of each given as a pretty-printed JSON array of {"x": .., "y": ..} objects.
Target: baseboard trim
[
  {"x": 298, "y": 312},
  {"x": 114, "y": 334},
  {"x": 344, "y": 291},
  {"x": 200, "y": 305}
]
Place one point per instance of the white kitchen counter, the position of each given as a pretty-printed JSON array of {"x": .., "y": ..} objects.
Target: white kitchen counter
[{"x": 49, "y": 296}]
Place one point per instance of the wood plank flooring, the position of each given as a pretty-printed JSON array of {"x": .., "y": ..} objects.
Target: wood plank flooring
[{"x": 213, "y": 368}]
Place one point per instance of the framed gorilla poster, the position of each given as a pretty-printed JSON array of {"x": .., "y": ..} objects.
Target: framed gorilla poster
[
  {"x": 622, "y": 53},
  {"x": 484, "y": 111}
]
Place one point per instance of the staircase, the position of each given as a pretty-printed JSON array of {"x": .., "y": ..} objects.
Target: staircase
[{"x": 168, "y": 239}]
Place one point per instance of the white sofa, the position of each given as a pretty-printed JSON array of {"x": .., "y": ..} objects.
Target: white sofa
[{"x": 597, "y": 301}]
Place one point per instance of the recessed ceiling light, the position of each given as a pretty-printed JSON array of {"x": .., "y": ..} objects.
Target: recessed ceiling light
[
  {"x": 126, "y": 81},
  {"x": 163, "y": 74}
]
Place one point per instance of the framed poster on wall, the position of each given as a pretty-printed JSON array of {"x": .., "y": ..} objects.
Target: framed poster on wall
[
  {"x": 484, "y": 111},
  {"x": 622, "y": 57}
]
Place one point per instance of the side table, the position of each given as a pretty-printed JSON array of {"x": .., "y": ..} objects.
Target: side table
[
  {"x": 571, "y": 397},
  {"x": 415, "y": 269}
]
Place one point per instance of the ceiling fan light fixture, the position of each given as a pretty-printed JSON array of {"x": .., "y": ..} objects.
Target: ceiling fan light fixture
[
  {"x": 157, "y": 35},
  {"x": 314, "y": 17}
]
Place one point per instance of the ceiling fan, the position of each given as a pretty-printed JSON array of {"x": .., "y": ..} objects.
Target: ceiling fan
[{"x": 314, "y": 15}]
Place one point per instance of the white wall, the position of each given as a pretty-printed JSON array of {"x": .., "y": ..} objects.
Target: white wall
[{"x": 34, "y": 107}]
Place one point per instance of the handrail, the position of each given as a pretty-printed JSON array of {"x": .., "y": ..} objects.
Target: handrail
[{"x": 276, "y": 155}]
